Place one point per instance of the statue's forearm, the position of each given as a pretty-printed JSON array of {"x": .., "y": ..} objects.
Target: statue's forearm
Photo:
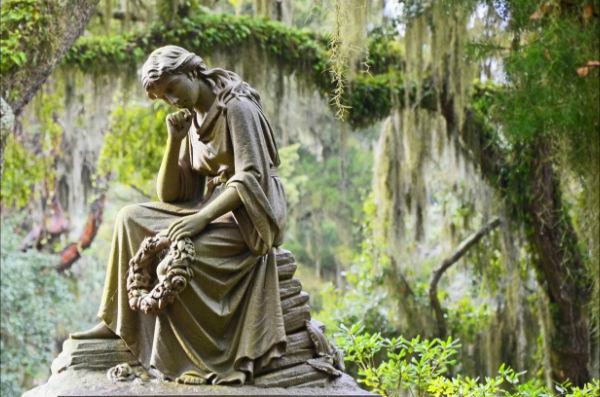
[
  {"x": 227, "y": 201},
  {"x": 167, "y": 183},
  {"x": 191, "y": 225}
]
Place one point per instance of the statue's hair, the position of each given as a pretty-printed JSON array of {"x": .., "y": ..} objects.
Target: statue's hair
[{"x": 171, "y": 60}]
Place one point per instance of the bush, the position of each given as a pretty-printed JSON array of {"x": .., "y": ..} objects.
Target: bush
[
  {"x": 421, "y": 367},
  {"x": 35, "y": 302}
]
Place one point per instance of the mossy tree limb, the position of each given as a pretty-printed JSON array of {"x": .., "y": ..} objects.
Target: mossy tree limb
[
  {"x": 30, "y": 54},
  {"x": 296, "y": 50},
  {"x": 64, "y": 23},
  {"x": 462, "y": 249}
]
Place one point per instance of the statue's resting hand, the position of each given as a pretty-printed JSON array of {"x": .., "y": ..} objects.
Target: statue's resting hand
[
  {"x": 178, "y": 123},
  {"x": 187, "y": 226}
]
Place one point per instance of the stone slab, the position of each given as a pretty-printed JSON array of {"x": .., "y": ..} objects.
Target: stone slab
[
  {"x": 289, "y": 287},
  {"x": 92, "y": 354},
  {"x": 295, "y": 318},
  {"x": 299, "y": 340},
  {"x": 292, "y": 376},
  {"x": 293, "y": 301},
  {"x": 71, "y": 383},
  {"x": 290, "y": 359},
  {"x": 286, "y": 272},
  {"x": 283, "y": 257}
]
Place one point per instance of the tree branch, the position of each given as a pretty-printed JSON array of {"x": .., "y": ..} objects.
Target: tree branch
[
  {"x": 437, "y": 274},
  {"x": 69, "y": 22},
  {"x": 72, "y": 252}
]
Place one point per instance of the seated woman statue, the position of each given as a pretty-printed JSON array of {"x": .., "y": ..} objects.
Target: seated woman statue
[{"x": 218, "y": 188}]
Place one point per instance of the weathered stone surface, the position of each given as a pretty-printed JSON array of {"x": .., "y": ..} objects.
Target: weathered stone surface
[
  {"x": 289, "y": 287},
  {"x": 295, "y": 318},
  {"x": 98, "y": 354},
  {"x": 289, "y": 377},
  {"x": 294, "y": 301},
  {"x": 290, "y": 359},
  {"x": 283, "y": 257},
  {"x": 286, "y": 272},
  {"x": 299, "y": 340},
  {"x": 315, "y": 383},
  {"x": 95, "y": 383}
]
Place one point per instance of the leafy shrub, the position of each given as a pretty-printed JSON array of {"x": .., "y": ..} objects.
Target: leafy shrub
[
  {"x": 35, "y": 303},
  {"x": 421, "y": 367}
]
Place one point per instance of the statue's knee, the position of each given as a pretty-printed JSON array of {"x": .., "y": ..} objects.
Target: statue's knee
[{"x": 127, "y": 214}]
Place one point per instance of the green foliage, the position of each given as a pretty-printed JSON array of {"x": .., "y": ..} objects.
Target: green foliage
[
  {"x": 35, "y": 301},
  {"x": 368, "y": 96},
  {"x": 24, "y": 26},
  {"x": 133, "y": 147},
  {"x": 318, "y": 209},
  {"x": 546, "y": 95},
  {"x": 410, "y": 365},
  {"x": 29, "y": 168},
  {"x": 552, "y": 96},
  {"x": 385, "y": 51},
  {"x": 420, "y": 367},
  {"x": 467, "y": 318},
  {"x": 20, "y": 173},
  {"x": 294, "y": 181},
  {"x": 204, "y": 33}
]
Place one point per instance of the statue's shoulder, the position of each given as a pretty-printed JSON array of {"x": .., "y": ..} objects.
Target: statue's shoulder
[{"x": 241, "y": 106}]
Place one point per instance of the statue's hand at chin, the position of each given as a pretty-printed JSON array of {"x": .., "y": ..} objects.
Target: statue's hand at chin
[
  {"x": 178, "y": 123},
  {"x": 187, "y": 226}
]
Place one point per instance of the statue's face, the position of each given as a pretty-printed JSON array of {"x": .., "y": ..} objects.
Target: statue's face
[{"x": 178, "y": 90}]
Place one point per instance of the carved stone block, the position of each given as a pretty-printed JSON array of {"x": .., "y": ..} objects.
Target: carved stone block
[
  {"x": 289, "y": 377},
  {"x": 294, "y": 301},
  {"x": 299, "y": 340},
  {"x": 290, "y": 359},
  {"x": 286, "y": 272},
  {"x": 295, "y": 318},
  {"x": 283, "y": 257},
  {"x": 93, "y": 354},
  {"x": 289, "y": 287}
]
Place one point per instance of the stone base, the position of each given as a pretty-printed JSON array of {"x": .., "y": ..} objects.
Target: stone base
[
  {"x": 71, "y": 383},
  {"x": 311, "y": 366},
  {"x": 92, "y": 354}
]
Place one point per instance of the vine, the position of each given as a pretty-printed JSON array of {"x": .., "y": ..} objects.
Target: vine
[{"x": 293, "y": 48}]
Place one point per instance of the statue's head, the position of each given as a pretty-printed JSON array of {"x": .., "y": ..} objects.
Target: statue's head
[
  {"x": 172, "y": 73},
  {"x": 175, "y": 74}
]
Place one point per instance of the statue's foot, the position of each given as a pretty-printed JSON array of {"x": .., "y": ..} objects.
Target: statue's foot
[
  {"x": 191, "y": 378},
  {"x": 100, "y": 331}
]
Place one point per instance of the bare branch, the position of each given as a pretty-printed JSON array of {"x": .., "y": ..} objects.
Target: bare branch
[{"x": 437, "y": 274}]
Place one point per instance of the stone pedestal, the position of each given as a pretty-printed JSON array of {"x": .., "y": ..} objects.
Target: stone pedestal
[
  {"x": 310, "y": 367},
  {"x": 71, "y": 383}
]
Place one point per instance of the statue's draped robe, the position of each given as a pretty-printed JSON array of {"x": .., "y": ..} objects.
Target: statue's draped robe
[{"x": 228, "y": 320}]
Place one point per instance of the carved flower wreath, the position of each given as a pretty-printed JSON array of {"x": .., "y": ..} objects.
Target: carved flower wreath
[{"x": 171, "y": 275}]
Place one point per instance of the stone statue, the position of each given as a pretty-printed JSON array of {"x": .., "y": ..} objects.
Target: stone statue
[
  {"x": 197, "y": 289},
  {"x": 218, "y": 188}
]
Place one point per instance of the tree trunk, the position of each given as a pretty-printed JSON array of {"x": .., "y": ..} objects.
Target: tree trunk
[
  {"x": 561, "y": 269},
  {"x": 69, "y": 23},
  {"x": 19, "y": 87},
  {"x": 535, "y": 199}
]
